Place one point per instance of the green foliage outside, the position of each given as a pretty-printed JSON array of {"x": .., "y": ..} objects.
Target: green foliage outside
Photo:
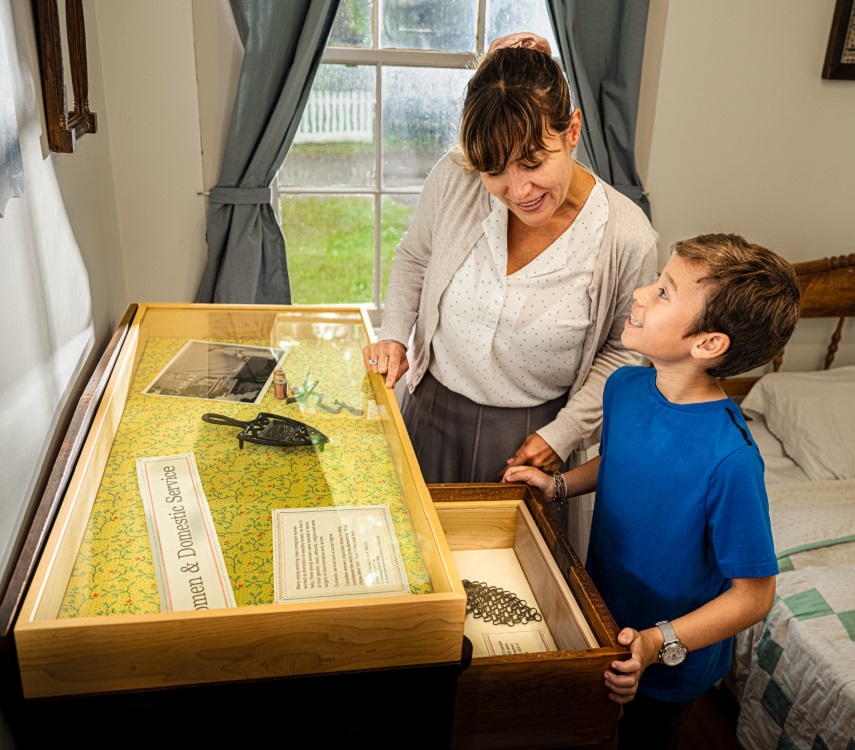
[
  {"x": 308, "y": 152},
  {"x": 330, "y": 246}
]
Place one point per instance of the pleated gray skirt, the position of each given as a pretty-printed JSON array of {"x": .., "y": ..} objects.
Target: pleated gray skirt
[{"x": 457, "y": 440}]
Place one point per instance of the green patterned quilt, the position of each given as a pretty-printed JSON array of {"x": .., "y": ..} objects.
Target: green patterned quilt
[{"x": 795, "y": 671}]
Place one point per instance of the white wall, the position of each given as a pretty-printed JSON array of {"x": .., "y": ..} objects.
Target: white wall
[
  {"x": 88, "y": 193},
  {"x": 147, "y": 56},
  {"x": 739, "y": 133}
]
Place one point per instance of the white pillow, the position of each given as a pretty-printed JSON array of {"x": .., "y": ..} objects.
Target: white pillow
[{"x": 813, "y": 415}]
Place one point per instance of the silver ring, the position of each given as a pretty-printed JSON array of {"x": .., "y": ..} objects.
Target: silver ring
[{"x": 372, "y": 361}]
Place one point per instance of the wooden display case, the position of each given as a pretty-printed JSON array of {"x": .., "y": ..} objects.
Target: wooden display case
[
  {"x": 535, "y": 700},
  {"x": 91, "y": 621}
]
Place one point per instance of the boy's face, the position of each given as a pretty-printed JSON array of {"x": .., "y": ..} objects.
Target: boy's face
[{"x": 662, "y": 312}]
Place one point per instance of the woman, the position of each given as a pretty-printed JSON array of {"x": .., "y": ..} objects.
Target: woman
[{"x": 513, "y": 282}]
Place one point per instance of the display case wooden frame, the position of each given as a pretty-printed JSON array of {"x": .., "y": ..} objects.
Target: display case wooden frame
[
  {"x": 542, "y": 700},
  {"x": 91, "y": 655}
]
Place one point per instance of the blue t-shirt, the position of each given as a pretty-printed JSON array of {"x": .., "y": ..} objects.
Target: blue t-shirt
[{"x": 681, "y": 508}]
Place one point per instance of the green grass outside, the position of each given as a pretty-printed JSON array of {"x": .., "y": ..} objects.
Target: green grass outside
[
  {"x": 331, "y": 149},
  {"x": 330, "y": 246}
]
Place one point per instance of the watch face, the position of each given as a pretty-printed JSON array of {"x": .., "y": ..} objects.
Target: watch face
[{"x": 673, "y": 654}]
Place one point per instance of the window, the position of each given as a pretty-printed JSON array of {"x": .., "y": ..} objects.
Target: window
[{"x": 384, "y": 107}]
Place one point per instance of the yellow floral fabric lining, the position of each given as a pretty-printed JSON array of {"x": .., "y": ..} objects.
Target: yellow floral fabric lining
[{"x": 114, "y": 573}]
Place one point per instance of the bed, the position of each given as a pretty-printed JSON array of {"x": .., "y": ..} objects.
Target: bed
[{"x": 794, "y": 673}]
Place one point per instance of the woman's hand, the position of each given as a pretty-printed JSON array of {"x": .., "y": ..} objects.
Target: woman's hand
[
  {"x": 387, "y": 358},
  {"x": 535, "y": 451},
  {"x": 531, "y": 476},
  {"x": 521, "y": 39}
]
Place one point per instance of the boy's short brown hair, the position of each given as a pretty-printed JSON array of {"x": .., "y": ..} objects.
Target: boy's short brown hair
[
  {"x": 753, "y": 297},
  {"x": 514, "y": 92}
]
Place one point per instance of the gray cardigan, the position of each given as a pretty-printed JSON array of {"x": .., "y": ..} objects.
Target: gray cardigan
[{"x": 445, "y": 227}]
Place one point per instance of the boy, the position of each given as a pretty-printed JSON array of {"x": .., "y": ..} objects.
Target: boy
[{"x": 681, "y": 545}]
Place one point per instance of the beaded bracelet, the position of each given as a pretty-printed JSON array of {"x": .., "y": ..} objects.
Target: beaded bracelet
[{"x": 559, "y": 488}]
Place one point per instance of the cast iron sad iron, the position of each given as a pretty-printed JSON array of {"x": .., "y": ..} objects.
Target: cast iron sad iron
[{"x": 272, "y": 429}]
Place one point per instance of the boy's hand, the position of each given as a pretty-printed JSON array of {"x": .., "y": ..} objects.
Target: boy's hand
[
  {"x": 532, "y": 476},
  {"x": 622, "y": 679}
]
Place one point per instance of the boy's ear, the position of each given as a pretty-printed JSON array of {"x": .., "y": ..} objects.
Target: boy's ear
[{"x": 709, "y": 346}]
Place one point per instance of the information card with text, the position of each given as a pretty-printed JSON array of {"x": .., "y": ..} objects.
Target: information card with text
[{"x": 336, "y": 553}]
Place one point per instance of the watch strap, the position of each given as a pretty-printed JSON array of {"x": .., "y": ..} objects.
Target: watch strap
[{"x": 667, "y": 632}]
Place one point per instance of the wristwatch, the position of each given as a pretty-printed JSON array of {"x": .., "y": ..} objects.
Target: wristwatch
[{"x": 673, "y": 652}]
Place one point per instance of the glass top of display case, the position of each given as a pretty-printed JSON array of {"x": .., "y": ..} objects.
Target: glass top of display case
[{"x": 277, "y": 475}]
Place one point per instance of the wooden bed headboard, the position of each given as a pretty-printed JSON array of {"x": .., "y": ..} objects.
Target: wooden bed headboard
[{"x": 828, "y": 291}]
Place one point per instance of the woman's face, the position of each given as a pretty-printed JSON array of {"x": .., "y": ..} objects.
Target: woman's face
[{"x": 534, "y": 191}]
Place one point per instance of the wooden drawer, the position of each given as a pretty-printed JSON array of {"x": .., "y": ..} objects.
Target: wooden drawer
[{"x": 538, "y": 700}]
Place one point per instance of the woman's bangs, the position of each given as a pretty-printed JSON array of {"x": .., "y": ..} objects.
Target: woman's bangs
[{"x": 506, "y": 133}]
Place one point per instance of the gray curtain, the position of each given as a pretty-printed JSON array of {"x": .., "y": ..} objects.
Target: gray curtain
[
  {"x": 602, "y": 45},
  {"x": 283, "y": 43}
]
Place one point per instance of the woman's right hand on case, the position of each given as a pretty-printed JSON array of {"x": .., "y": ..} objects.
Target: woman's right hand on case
[{"x": 387, "y": 358}]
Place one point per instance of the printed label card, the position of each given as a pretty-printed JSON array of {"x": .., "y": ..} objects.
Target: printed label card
[
  {"x": 336, "y": 553},
  {"x": 188, "y": 560},
  {"x": 516, "y": 641}
]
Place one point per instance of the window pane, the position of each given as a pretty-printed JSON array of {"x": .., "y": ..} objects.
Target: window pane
[
  {"x": 396, "y": 214},
  {"x": 509, "y": 16},
  {"x": 448, "y": 25},
  {"x": 352, "y": 24},
  {"x": 334, "y": 144},
  {"x": 330, "y": 247},
  {"x": 421, "y": 112}
]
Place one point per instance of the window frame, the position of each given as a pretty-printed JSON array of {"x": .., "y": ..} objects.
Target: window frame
[{"x": 378, "y": 58}]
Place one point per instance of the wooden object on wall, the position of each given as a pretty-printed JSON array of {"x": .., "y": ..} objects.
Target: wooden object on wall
[
  {"x": 65, "y": 127},
  {"x": 840, "y": 54}
]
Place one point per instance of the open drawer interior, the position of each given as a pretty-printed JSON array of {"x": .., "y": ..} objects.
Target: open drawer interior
[{"x": 521, "y": 602}]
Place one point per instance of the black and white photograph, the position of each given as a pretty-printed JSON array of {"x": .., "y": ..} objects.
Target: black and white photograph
[{"x": 218, "y": 372}]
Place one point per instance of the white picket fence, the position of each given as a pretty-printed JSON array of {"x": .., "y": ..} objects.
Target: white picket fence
[{"x": 337, "y": 116}]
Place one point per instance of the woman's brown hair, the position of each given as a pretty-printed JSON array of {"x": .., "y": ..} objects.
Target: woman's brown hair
[{"x": 515, "y": 92}]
